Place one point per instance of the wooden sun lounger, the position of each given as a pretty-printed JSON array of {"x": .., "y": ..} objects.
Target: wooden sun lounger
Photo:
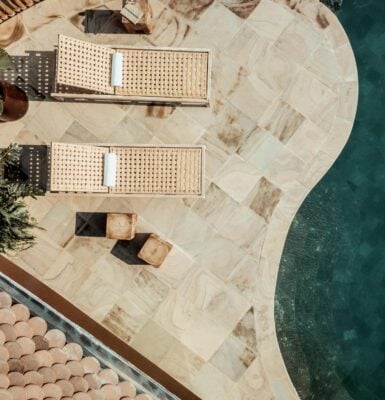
[
  {"x": 150, "y": 74},
  {"x": 176, "y": 171}
]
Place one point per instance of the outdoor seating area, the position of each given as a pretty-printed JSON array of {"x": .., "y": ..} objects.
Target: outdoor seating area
[
  {"x": 164, "y": 149},
  {"x": 131, "y": 74}
]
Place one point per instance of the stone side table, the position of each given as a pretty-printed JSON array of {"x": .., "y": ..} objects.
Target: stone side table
[
  {"x": 121, "y": 226},
  {"x": 155, "y": 250},
  {"x": 145, "y": 23}
]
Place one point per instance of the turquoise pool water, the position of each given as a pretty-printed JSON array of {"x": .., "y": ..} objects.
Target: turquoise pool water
[{"x": 330, "y": 298}]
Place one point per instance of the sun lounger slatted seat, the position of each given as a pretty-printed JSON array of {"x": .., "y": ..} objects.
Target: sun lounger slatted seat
[
  {"x": 139, "y": 170},
  {"x": 168, "y": 75}
]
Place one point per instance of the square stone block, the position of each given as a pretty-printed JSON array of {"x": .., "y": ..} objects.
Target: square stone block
[
  {"x": 144, "y": 25},
  {"x": 155, "y": 250},
  {"x": 121, "y": 226}
]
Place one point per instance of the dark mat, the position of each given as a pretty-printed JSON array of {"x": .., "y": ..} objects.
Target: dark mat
[{"x": 103, "y": 21}]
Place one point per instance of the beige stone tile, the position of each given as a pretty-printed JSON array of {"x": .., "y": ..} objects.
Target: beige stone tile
[
  {"x": 284, "y": 169},
  {"x": 237, "y": 178},
  {"x": 99, "y": 119},
  {"x": 76, "y": 133},
  {"x": 42, "y": 255},
  {"x": 229, "y": 128},
  {"x": 252, "y": 96},
  {"x": 243, "y": 227},
  {"x": 191, "y": 10},
  {"x": 242, "y": 8},
  {"x": 96, "y": 297},
  {"x": 270, "y": 19},
  {"x": 346, "y": 63},
  {"x": 264, "y": 198},
  {"x": 215, "y": 156},
  {"x": 125, "y": 319},
  {"x": 60, "y": 222},
  {"x": 307, "y": 141},
  {"x": 336, "y": 141},
  {"x": 11, "y": 31},
  {"x": 216, "y": 207},
  {"x": 146, "y": 290},
  {"x": 191, "y": 233},
  {"x": 282, "y": 121},
  {"x": 232, "y": 358},
  {"x": 154, "y": 350},
  {"x": 219, "y": 24},
  {"x": 324, "y": 64},
  {"x": 315, "y": 169},
  {"x": 130, "y": 131},
  {"x": 88, "y": 250},
  {"x": 179, "y": 129},
  {"x": 154, "y": 118},
  {"x": 170, "y": 29},
  {"x": 298, "y": 40},
  {"x": 310, "y": 97},
  {"x": 67, "y": 277},
  {"x": 274, "y": 69},
  {"x": 260, "y": 149},
  {"x": 8, "y": 136},
  {"x": 181, "y": 363},
  {"x": 165, "y": 214},
  {"x": 175, "y": 267},
  {"x": 40, "y": 206},
  {"x": 50, "y": 124},
  {"x": 253, "y": 279},
  {"x": 219, "y": 256},
  {"x": 211, "y": 383},
  {"x": 247, "y": 48},
  {"x": 245, "y": 331},
  {"x": 347, "y": 104},
  {"x": 201, "y": 313}
]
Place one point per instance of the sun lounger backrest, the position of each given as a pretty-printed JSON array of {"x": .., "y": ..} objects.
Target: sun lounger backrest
[
  {"x": 84, "y": 65},
  {"x": 77, "y": 168}
]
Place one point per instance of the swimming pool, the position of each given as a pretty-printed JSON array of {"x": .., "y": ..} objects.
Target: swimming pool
[{"x": 330, "y": 296}]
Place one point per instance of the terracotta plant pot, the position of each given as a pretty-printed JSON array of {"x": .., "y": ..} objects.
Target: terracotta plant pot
[{"x": 15, "y": 102}]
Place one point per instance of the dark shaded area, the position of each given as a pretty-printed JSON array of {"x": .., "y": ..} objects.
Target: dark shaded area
[
  {"x": 34, "y": 73},
  {"x": 127, "y": 250},
  {"x": 103, "y": 21},
  {"x": 330, "y": 295},
  {"x": 91, "y": 224},
  {"x": 32, "y": 168}
]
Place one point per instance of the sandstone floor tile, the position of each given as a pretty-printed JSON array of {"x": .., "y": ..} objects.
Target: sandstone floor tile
[
  {"x": 269, "y": 19},
  {"x": 201, "y": 313},
  {"x": 211, "y": 383},
  {"x": 237, "y": 178},
  {"x": 298, "y": 40},
  {"x": 153, "y": 342},
  {"x": 233, "y": 358},
  {"x": 242, "y": 8},
  {"x": 219, "y": 24}
]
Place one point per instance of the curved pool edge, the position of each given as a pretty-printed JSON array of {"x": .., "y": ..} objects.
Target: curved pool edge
[{"x": 285, "y": 212}]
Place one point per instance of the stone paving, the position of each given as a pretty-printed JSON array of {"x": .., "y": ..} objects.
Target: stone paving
[{"x": 284, "y": 96}]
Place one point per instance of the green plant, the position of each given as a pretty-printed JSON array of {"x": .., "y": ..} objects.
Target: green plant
[
  {"x": 5, "y": 63},
  {"x": 15, "y": 221}
]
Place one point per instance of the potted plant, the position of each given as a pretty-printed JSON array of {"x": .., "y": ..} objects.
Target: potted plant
[
  {"x": 15, "y": 221},
  {"x": 13, "y": 100}
]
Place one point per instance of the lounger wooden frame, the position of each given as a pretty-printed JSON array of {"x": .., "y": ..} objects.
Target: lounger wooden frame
[
  {"x": 158, "y": 74},
  {"x": 142, "y": 171}
]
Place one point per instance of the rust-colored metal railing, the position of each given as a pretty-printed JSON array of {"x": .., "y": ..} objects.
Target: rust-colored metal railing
[{"x": 9, "y": 8}]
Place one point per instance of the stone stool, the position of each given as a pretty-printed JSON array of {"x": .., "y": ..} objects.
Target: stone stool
[
  {"x": 144, "y": 25},
  {"x": 155, "y": 250},
  {"x": 121, "y": 226}
]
